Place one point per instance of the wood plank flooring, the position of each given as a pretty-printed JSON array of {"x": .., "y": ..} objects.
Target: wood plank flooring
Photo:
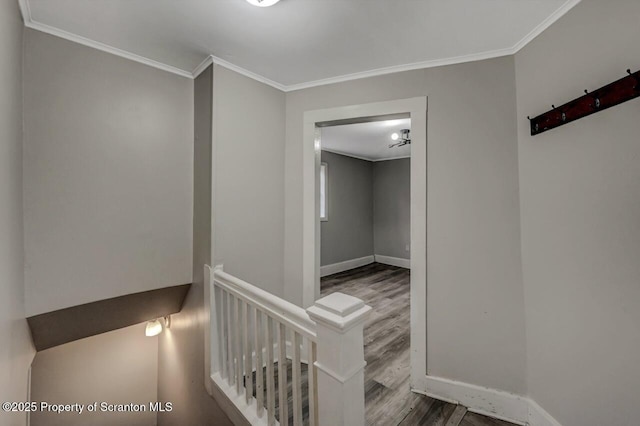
[{"x": 388, "y": 398}]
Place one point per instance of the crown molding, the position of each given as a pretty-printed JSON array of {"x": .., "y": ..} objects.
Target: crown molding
[
  {"x": 401, "y": 68},
  {"x": 203, "y": 66},
  {"x": 559, "y": 13},
  {"x": 247, "y": 73},
  {"x": 30, "y": 23}
]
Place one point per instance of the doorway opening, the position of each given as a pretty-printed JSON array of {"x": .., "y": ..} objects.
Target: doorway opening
[
  {"x": 406, "y": 264},
  {"x": 364, "y": 201}
]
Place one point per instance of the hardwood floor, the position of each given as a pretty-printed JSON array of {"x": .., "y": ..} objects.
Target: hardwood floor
[{"x": 388, "y": 398}]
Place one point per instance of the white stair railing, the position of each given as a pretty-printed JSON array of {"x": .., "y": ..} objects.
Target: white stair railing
[{"x": 318, "y": 354}]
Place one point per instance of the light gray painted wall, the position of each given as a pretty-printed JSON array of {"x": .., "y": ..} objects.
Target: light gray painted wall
[
  {"x": 118, "y": 367},
  {"x": 472, "y": 219},
  {"x": 248, "y": 172},
  {"x": 108, "y": 156},
  {"x": 181, "y": 348},
  {"x": 16, "y": 350},
  {"x": 392, "y": 207},
  {"x": 348, "y": 234},
  {"x": 580, "y": 198}
]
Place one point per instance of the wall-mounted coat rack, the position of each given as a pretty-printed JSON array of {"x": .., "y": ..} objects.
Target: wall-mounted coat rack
[{"x": 613, "y": 94}]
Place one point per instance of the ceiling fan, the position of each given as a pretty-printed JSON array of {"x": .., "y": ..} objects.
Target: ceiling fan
[{"x": 402, "y": 139}]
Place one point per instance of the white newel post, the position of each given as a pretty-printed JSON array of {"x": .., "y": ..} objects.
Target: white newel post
[{"x": 340, "y": 361}]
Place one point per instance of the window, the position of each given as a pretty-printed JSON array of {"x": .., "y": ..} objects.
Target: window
[{"x": 324, "y": 199}]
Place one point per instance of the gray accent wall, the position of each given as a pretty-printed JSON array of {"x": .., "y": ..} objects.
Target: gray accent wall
[
  {"x": 580, "y": 198},
  {"x": 181, "y": 362},
  {"x": 348, "y": 234},
  {"x": 108, "y": 169},
  {"x": 16, "y": 349},
  {"x": 392, "y": 208},
  {"x": 473, "y": 213},
  {"x": 118, "y": 367},
  {"x": 369, "y": 209}
]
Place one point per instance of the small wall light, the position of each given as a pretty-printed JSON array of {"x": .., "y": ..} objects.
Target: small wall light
[
  {"x": 395, "y": 136},
  {"x": 153, "y": 328}
]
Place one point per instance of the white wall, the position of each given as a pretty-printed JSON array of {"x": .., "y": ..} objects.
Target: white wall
[
  {"x": 248, "y": 167},
  {"x": 580, "y": 201},
  {"x": 118, "y": 367},
  {"x": 108, "y": 175},
  {"x": 475, "y": 296},
  {"x": 16, "y": 350}
]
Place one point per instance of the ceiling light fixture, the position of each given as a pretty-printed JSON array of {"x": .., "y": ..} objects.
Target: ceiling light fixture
[
  {"x": 262, "y": 3},
  {"x": 403, "y": 139}
]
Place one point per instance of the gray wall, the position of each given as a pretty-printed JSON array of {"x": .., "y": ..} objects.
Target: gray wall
[
  {"x": 248, "y": 143},
  {"x": 118, "y": 367},
  {"x": 108, "y": 156},
  {"x": 16, "y": 350},
  {"x": 392, "y": 207},
  {"x": 580, "y": 197},
  {"x": 181, "y": 348},
  {"x": 348, "y": 234},
  {"x": 473, "y": 213}
]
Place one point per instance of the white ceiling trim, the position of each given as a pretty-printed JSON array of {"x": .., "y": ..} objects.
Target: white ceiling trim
[
  {"x": 559, "y": 13},
  {"x": 400, "y": 68},
  {"x": 30, "y": 23},
  {"x": 247, "y": 73}
]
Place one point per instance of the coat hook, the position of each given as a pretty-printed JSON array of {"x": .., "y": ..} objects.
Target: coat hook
[
  {"x": 586, "y": 92},
  {"x": 637, "y": 86},
  {"x": 528, "y": 118},
  {"x": 553, "y": 106}
]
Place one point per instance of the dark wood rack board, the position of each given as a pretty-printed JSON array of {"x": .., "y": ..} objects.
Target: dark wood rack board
[{"x": 613, "y": 94}]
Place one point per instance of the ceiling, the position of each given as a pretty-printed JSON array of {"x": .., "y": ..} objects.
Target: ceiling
[
  {"x": 298, "y": 43},
  {"x": 367, "y": 141}
]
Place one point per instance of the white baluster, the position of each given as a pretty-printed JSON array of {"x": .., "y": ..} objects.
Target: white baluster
[
  {"x": 224, "y": 342},
  {"x": 296, "y": 380},
  {"x": 230, "y": 340},
  {"x": 248, "y": 369},
  {"x": 271, "y": 397},
  {"x": 257, "y": 334},
  {"x": 283, "y": 399},
  {"x": 313, "y": 380},
  {"x": 238, "y": 341}
]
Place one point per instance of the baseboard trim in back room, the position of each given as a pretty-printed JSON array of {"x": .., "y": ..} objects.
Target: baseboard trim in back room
[
  {"x": 393, "y": 261},
  {"x": 334, "y": 268}
]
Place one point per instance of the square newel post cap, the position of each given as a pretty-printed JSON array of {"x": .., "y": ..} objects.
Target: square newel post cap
[{"x": 339, "y": 311}]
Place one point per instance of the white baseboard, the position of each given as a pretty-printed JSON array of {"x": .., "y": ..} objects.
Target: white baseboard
[
  {"x": 539, "y": 417},
  {"x": 486, "y": 401},
  {"x": 393, "y": 261},
  {"x": 489, "y": 402},
  {"x": 334, "y": 268}
]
